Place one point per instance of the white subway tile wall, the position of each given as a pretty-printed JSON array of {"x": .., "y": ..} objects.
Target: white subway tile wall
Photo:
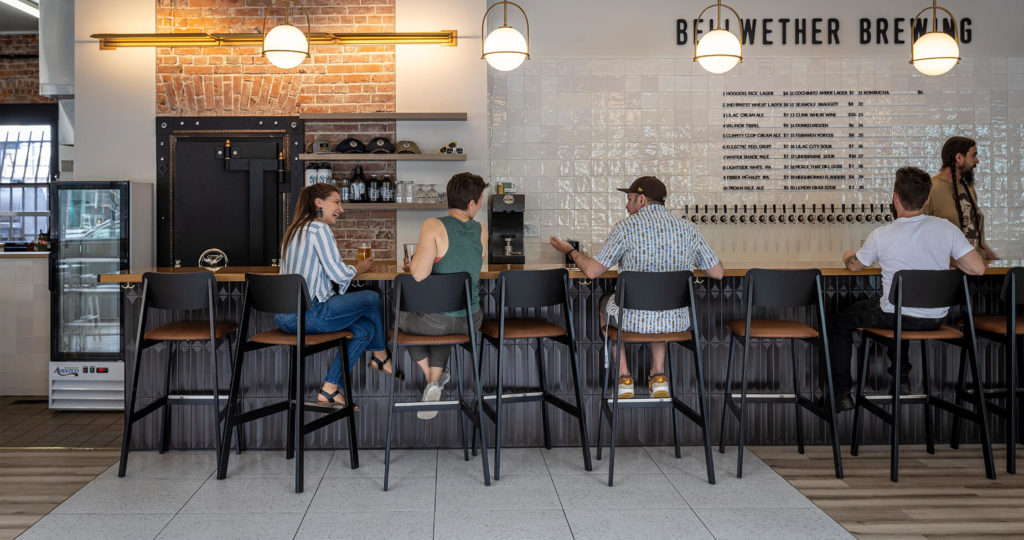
[{"x": 568, "y": 132}]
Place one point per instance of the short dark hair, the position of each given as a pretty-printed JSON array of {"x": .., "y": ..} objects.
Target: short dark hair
[
  {"x": 463, "y": 188},
  {"x": 913, "y": 186}
]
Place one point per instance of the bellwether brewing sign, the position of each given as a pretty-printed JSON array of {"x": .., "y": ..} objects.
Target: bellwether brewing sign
[{"x": 800, "y": 31}]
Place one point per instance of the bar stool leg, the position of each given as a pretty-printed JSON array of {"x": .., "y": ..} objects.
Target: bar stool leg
[
  {"x": 672, "y": 397},
  {"x": 216, "y": 398},
  {"x": 961, "y": 388},
  {"x": 346, "y": 373},
  {"x": 796, "y": 400},
  {"x": 894, "y": 435},
  {"x": 698, "y": 368},
  {"x": 865, "y": 346},
  {"x": 929, "y": 435},
  {"x": 129, "y": 410},
  {"x": 480, "y": 413},
  {"x": 391, "y": 416},
  {"x": 1011, "y": 405},
  {"x": 300, "y": 386},
  {"x": 165, "y": 429},
  {"x": 727, "y": 395},
  {"x": 545, "y": 423},
  {"x": 580, "y": 407},
  {"x": 231, "y": 373},
  {"x": 602, "y": 410},
  {"x": 497, "y": 413},
  {"x": 232, "y": 411},
  {"x": 292, "y": 404},
  {"x": 981, "y": 410},
  {"x": 743, "y": 401},
  {"x": 462, "y": 420},
  {"x": 614, "y": 418},
  {"x": 833, "y": 424}
]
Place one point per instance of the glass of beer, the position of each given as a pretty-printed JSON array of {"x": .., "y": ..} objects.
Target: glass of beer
[
  {"x": 410, "y": 250},
  {"x": 364, "y": 251}
]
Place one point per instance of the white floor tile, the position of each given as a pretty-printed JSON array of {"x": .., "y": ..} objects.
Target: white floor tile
[
  {"x": 231, "y": 526},
  {"x": 385, "y": 523},
  {"x": 497, "y": 525},
  {"x": 770, "y": 523},
  {"x": 250, "y": 495},
  {"x": 168, "y": 465},
  {"x": 97, "y": 526},
  {"x": 602, "y": 524},
  {"x": 639, "y": 491},
  {"x": 131, "y": 496}
]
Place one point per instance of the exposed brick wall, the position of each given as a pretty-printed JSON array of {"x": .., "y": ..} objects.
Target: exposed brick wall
[
  {"x": 373, "y": 227},
  {"x": 237, "y": 81},
  {"x": 19, "y": 77}
]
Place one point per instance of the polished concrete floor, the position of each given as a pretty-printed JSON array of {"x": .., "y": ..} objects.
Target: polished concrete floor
[{"x": 435, "y": 494}]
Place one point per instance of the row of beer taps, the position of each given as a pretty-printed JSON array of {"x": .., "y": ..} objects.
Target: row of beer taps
[{"x": 787, "y": 213}]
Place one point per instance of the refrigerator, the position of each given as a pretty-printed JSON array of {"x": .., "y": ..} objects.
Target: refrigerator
[{"x": 96, "y": 228}]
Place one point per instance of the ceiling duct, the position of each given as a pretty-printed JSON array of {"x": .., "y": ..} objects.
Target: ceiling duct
[{"x": 57, "y": 49}]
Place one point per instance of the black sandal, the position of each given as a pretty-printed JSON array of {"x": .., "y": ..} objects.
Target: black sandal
[
  {"x": 378, "y": 365},
  {"x": 330, "y": 399}
]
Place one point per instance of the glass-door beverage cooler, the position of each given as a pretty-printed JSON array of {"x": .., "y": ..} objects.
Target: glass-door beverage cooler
[{"x": 97, "y": 228}]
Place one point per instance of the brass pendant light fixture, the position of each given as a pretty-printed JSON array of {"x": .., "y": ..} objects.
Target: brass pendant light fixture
[
  {"x": 285, "y": 45},
  {"x": 505, "y": 48},
  {"x": 936, "y": 52},
  {"x": 719, "y": 50}
]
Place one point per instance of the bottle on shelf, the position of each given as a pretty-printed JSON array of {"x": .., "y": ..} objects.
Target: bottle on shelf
[
  {"x": 324, "y": 172},
  {"x": 345, "y": 189},
  {"x": 358, "y": 185},
  {"x": 312, "y": 173},
  {"x": 373, "y": 190},
  {"x": 387, "y": 190}
]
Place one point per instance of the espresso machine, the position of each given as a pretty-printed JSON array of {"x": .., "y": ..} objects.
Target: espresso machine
[{"x": 506, "y": 242}]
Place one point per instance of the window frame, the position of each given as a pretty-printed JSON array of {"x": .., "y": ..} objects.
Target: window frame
[{"x": 34, "y": 114}]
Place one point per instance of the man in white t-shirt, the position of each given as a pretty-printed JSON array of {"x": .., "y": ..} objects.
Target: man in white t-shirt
[{"x": 915, "y": 241}]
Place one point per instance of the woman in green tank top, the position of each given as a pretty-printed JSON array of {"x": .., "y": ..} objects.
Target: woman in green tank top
[{"x": 447, "y": 245}]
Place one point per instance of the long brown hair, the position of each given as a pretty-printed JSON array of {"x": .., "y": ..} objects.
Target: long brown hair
[
  {"x": 305, "y": 210},
  {"x": 952, "y": 147}
]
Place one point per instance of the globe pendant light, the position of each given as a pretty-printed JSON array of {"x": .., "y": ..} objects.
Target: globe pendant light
[
  {"x": 505, "y": 48},
  {"x": 719, "y": 50},
  {"x": 286, "y": 46},
  {"x": 936, "y": 52}
]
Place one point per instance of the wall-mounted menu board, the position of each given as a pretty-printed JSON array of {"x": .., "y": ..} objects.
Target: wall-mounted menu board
[{"x": 809, "y": 139}]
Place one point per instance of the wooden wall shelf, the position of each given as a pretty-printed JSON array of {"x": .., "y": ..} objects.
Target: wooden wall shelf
[
  {"x": 351, "y": 206},
  {"x": 378, "y": 116},
  {"x": 382, "y": 157}
]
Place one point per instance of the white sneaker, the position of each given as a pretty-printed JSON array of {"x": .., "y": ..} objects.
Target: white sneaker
[
  {"x": 445, "y": 377},
  {"x": 658, "y": 385},
  {"x": 431, "y": 393},
  {"x": 625, "y": 387}
]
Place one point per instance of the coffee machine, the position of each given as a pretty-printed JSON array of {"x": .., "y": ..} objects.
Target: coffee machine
[{"x": 506, "y": 243}]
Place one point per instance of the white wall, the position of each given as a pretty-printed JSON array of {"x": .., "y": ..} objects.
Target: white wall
[
  {"x": 609, "y": 96},
  {"x": 115, "y": 93},
  {"x": 440, "y": 79}
]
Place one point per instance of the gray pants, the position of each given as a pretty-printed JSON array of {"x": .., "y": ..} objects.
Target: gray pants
[{"x": 434, "y": 324}]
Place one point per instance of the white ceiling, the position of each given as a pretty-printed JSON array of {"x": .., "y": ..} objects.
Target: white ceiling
[{"x": 13, "y": 20}]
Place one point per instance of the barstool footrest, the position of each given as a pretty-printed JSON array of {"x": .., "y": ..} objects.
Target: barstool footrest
[
  {"x": 256, "y": 414},
  {"x": 334, "y": 414},
  {"x": 145, "y": 411},
  {"x": 416, "y": 406}
]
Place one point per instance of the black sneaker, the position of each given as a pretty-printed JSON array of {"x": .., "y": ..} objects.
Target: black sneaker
[{"x": 845, "y": 402}]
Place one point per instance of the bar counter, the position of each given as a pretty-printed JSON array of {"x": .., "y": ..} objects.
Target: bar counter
[
  {"x": 388, "y": 271},
  {"x": 718, "y": 301}
]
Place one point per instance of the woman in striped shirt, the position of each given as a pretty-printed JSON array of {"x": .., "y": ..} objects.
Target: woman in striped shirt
[{"x": 309, "y": 250}]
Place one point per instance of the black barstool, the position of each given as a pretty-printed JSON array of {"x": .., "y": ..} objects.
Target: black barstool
[
  {"x": 287, "y": 293},
  {"x": 534, "y": 290},
  {"x": 922, "y": 289},
  {"x": 1006, "y": 331},
  {"x": 781, "y": 289},
  {"x": 655, "y": 291},
  {"x": 437, "y": 293},
  {"x": 175, "y": 292}
]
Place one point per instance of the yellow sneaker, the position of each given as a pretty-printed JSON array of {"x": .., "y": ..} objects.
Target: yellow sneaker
[
  {"x": 625, "y": 387},
  {"x": 658, "y": 385}
]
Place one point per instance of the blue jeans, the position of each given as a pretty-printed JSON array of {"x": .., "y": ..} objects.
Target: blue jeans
[{"x": 358, "y": 312}]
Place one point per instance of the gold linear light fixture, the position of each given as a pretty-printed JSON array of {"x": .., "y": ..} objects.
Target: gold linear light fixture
[{"x": 445, "y": 38}]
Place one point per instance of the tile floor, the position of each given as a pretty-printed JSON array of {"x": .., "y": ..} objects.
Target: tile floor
[{"x": 435, "y": 494}]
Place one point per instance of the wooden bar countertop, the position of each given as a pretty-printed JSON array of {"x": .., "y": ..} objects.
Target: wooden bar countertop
[{"x": 388, "y": 271}]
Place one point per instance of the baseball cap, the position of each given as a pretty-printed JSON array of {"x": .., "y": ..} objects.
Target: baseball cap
[
  {"x": 352, "y": 145},
  {"x": 380, "y": 145},
  {"x": 648, "y": 186},
  {"x": 406, "y": 147}
]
